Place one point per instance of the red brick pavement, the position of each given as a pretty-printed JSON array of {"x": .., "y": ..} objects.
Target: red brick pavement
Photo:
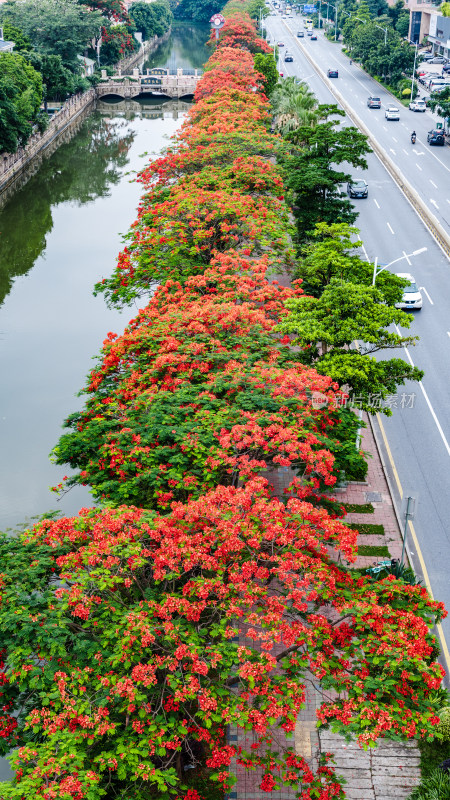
[{"x": 375, "y": 490}]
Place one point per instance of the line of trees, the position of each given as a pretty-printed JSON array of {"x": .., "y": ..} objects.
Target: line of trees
[
  {"x": 374, "y": 35},
  {"x": 134, "y": 635},
  {"x": 342, "y": 306}
]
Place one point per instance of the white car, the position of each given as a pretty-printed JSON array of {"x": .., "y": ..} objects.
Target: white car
[
  {"x": 392, "y": 112},
  {"x": 412, "y": 297},
  {"x": 417, "y": 105}
]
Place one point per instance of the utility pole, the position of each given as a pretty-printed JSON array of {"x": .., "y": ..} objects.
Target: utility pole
[{"x": 335, "y": 21}]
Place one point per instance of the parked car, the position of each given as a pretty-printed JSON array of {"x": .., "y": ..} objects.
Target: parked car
[
  {"x": 332, "y": 73},
  {"x": 412, "y": 298},
  {"x": 427, "y": 56},
  {"x": 392, "y": 113},
  {"x": 436, "y": 137},
  {"x": 373, "y": 102},
  {"x": 288, "y": 56},
  {"x": 433, "y": 83},
  {"x": 313, "y": 37},
  {"x": 417, "y": 105},
  {"x": 437, "y": 60},
  {"x": 357, "y": 188},
  {"x": 300, "y": 34},
  {"x": 446, "y": 68}
]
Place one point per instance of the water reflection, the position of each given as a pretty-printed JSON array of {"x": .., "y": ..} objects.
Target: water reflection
[
  {"x": 60, "y": 235},
  {"x": 144, "y": 108},
  {"x": 186, "y": 48},
  {"x": 79, "y": 171}
]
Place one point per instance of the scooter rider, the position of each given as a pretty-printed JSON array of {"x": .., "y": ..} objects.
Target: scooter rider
[{"x": 413, "y": 137}]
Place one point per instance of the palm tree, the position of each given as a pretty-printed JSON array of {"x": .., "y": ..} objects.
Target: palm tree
[{"x": 294, "y": 104}]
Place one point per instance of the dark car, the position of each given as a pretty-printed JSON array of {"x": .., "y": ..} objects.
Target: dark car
[
  {"x": 314, "y": 38},
  {"x": 288, "y": 57},
  {"x": 436, "y": 137},
  {"x": 446, "y": 68},
  {"x": 333, "y": 73},
  {"x": 374, "y": 102},
  {"x": 300, "y": 34},
  {"x": 357, "y": 188}
]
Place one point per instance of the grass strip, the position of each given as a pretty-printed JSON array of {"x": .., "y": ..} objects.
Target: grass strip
[
  {"x": 366, "y": 529},
  {"x": 373, "y": 550},
  {"x": 359, "y": 508}
]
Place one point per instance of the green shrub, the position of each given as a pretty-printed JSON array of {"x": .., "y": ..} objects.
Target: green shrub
[
  {"x": 444, "y": 725},
  {"x": 432, "y": 754},
  {"x": 435, "y": 787}
]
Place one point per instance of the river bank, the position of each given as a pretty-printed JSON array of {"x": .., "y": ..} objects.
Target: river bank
[{"x": 17, "y": 168}]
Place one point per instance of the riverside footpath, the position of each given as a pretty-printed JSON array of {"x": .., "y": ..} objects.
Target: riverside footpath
[{"x": 391, "y": 770}]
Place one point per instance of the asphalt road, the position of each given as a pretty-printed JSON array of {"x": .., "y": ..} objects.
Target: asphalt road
[
  {"x": 426, "y": 168},
  {"x": 418, "y": 433}
]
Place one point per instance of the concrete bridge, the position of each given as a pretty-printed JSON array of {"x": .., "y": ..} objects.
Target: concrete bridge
[{"x": 158, "y": 81}]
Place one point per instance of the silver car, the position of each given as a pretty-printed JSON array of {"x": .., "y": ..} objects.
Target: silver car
[{"x": 412, "y": 298}]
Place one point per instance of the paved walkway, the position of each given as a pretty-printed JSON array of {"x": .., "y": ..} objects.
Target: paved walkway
[{"x": 392, "y": 769}]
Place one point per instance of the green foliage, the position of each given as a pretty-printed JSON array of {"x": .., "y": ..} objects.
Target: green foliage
[
  {"x": 21, "y": 93},
  {"x": 13, "y": 34},
  {"x": 310, "y": 174},
  {"x": 443, "y": 728},
  {"x": 445, "y": 9},
  {"x": 59, "y": 82},
  {"x": 398, "y": 570},
  {"x": 266, "y": 65},
  {"x": 359, "y": 508},
  {"x": 440, "y": 102},
  {"x": 329, "y": 325},
  {"x": 293, "y": 104},
  {"x": 366, "y": 529},
  {"x": 55, "y": 27},
  {"x": 347, "y": 458},
  {"x": 152, "y": 19},
  {"x": 379, "y": 47},
  {"x": 117, "y": 43},
  {"x": 255, "y": 8},
  {"x": 436, "y": 786},
  {"x": 432, "y": 753},
  {"x": 377, "y": 551},
  {"x": 329, "y": 253},
  {"x": 197, "y": 10}
]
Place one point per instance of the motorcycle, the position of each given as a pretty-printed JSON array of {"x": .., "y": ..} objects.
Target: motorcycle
[{"x": 413, "y": 138}]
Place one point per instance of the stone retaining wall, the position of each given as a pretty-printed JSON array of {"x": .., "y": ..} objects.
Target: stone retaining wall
[{"x": 24, "y": 162}]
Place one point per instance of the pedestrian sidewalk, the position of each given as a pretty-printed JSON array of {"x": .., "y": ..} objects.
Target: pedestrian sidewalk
[{"x": 391, "y": 770}]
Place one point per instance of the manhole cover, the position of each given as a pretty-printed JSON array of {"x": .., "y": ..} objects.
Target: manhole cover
[{"x": 373, "y": 497}]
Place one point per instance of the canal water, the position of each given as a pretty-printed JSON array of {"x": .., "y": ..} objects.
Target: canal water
[{"x": 59, "y": 235}]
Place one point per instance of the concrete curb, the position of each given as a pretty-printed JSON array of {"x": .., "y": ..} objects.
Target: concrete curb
[{"x": 433, "y": 225}]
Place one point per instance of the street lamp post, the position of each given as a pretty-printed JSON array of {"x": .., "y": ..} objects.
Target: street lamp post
[
  {"x": 377, "y": 271},
  {"x": 416, "y": 44}
]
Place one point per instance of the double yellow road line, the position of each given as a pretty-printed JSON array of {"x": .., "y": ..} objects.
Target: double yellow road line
[{"x": 418, "y": 551}]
